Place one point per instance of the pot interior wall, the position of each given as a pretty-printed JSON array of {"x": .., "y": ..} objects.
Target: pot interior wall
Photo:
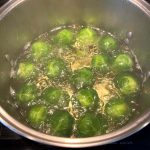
[{"x": 33, "y": 17}]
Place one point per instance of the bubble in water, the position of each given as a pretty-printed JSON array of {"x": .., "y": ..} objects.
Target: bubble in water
[{"x": 130, "y": 34}]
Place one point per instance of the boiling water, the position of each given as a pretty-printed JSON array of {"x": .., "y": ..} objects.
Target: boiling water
[{"x": 103, "y": 85}]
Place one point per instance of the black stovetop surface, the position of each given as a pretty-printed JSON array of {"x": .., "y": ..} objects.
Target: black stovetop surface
[{"x": 12, "y": 141}]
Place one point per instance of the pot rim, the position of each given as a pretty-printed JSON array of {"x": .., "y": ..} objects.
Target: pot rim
[{"x": 34, "y": 135}]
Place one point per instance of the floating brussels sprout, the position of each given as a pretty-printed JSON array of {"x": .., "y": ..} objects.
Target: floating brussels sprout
[
  {"x": 86, "y": 37},
  {"x": 82, "y": 78},
  {"x": 127, "y": 83},
  {"x": 117, "y": 109},
  {"x": 108, "y": 43},
  {"x": 37, "y": 115},
  {"x": 100, "y": 63},
  {"x": 61, "y": 123},
  {"x": 88, "y": 98},
  {"x": 27, "y": 93},
  {"x": 56, "y": 96},
  {"x": 91, "y": 125},
  {"x": 56, "y": 68},
  {"x": 26, "y": 70},
  {"x": 123, "y": 62},
  {"x": 40, "y": 49},
  {"x": 64, "y": 38}
]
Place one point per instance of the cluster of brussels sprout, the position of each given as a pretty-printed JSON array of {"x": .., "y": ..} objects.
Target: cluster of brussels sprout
[{"x": 62, "y": 122}]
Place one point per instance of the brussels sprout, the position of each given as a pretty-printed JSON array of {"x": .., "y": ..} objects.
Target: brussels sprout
[
  {"x": 40, "y": 49},
  {"x": 88, "y": 98},
  {"x": 86, "y": 37},
  {"x": 91, "y": 125},
  {"x": 56, "y": 96},
  {"x": 27, "y": 93},
  {"x": 26, "y": 70},
  {"x": 108, "y": 43},
  {"x": 127, "y": 83},
  {"x": 103, "y": 123},
  {"x": 37, "y": 115},
  {"x": 64, "y": 38},
  {"x": 56, "y": 68},
  {"x": 123, "y": 62},
  {"x": 82, "y": 78},
  {"x": 61, "y": 123},
  {"x": 100, "y": 63},
  {"x": 117, "y": 109}
]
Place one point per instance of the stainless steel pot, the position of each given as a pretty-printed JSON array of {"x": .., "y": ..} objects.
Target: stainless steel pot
[{"x": 23, "y": 20}]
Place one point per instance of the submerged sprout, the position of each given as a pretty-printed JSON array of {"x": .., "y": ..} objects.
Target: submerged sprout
[
  {"x": 56, "y": 68},
  {"x": 91, "y": 125},
  {"x": 40, "y": 49},
  {"x": 61, "y": 123},
  {"x": 122, "y": 62},
  {"x": 100, "y": 63},
  {"x": 117, "y": 109},
  {"x": 27, "y": 93},
  {"x": 88, "y": 98},
  {"x": 37, "y": 115},
  {"x": 26, "y": 70},
  {"x": 64, "y": 38},
  {"x": 82, "y": 78},
  {"x": 86, "y": 37},
  {"x": 108, "y": 43},
  {"x": 56, "y": 96},
  {"x": 127, "y": 84}
]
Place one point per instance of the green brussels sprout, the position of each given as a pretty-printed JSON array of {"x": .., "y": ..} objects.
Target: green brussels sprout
[
  {"x": 26, "y": 70},
  {"x": 56, "y": 96},
  {"x": 91, "y": 125},
  {"x": 61, "y": 123},
  {"x": 86, "y": 37},
  {"x": 27, "y": 93},
  {"x": 127, "y": 83},
  {"x": 56, "y": 68},
  {"x": 37, "y": 115},
  {"x": 123, "y": 62},
  {"x": 82, "y": 78},
  {"x": 117, "y": 109},
  {"x": 40, "y": 49},
  {"x": 64, "y": 38},
  {"x": 103, "y": 123},
  {"x": 88, "y": 98},
  {"x": 108, "y": 43},
  {"x": 100, "y": 63}
]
